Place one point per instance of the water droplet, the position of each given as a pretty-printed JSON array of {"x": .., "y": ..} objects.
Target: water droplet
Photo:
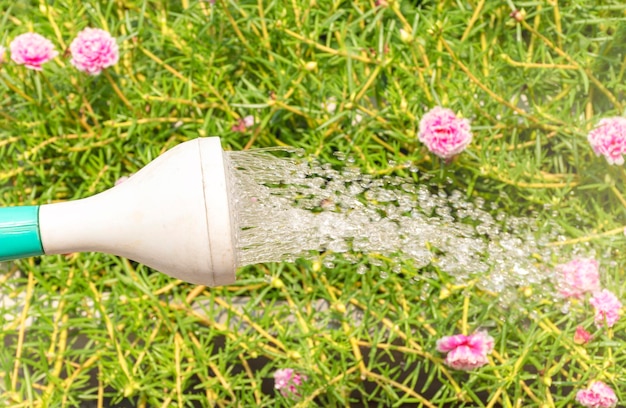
[
  {"x": 339, "y": 155},
  {"x": 289, "y": 208}
]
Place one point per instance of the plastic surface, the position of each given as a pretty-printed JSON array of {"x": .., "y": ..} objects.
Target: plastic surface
[
  {"x": 19, "y": 232},
  {"x": 220, "y": 219},
  {"x": 173, "y": 215}
]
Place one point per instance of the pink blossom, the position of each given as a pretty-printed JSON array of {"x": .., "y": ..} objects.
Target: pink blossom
[
  {"x": 94, "y": 50},
  {"x": 32, "y": 50},
  {"x": 578, "y": 277},
  {"x": 609, "y": 139},
  {"x": 581, "y": 336},
  {"x": 243, "y": 124},
  {"x": 466, "y": 352},
  {"x": 598, "y": 395},
  {"x": 287, "y": 381},
  {"x": 444, "y": 133},
  {"x": 607, "y": 308}
]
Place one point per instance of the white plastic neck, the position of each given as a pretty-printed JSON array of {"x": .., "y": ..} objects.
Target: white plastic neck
[{"x": 173, "y": 215}]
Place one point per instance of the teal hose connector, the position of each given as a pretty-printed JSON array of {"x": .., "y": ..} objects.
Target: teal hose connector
[{"x": 19, "y": 232}]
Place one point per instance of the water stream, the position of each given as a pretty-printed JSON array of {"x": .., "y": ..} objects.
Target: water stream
[{"x": 293, "y": 207}]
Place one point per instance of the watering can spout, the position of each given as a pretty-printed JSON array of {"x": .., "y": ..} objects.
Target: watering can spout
[{"x": 174, "y": 215}]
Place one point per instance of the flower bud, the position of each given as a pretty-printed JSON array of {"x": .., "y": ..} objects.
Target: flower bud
[
  {"x": 405, "y": 36},
  {"x": 518, "y": 15}
]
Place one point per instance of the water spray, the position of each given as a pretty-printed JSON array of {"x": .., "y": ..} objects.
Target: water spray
[
  {"x": 197, "y": 213},
  {"x": 174, "y": 215}
]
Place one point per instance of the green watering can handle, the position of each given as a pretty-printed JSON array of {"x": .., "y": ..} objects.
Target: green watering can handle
[{"x": 19, "y": 232}]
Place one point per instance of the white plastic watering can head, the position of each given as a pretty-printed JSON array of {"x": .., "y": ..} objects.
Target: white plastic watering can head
[{"x": 174, "y": 215}]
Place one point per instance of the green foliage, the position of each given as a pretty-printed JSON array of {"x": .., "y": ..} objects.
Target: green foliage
[{"x": 96, "y": 328}]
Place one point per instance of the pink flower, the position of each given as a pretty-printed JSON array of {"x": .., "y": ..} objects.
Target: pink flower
[
  {"x": 581, "y": 336},
  {"x": 598, "y": 395},
  {"x": 609, "y": 139},
  {"x": 94, "y": 50},
  {"x": 578, "y": 277},
  {"x": 443, "y": 133},
  {"x": 607, "y": 308},
  {"x": 466, "y": 352},
  {"x": 243, "y": 124},
  {"x": 32, "y": 50},
  {"x": 287, "y": 381}
]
